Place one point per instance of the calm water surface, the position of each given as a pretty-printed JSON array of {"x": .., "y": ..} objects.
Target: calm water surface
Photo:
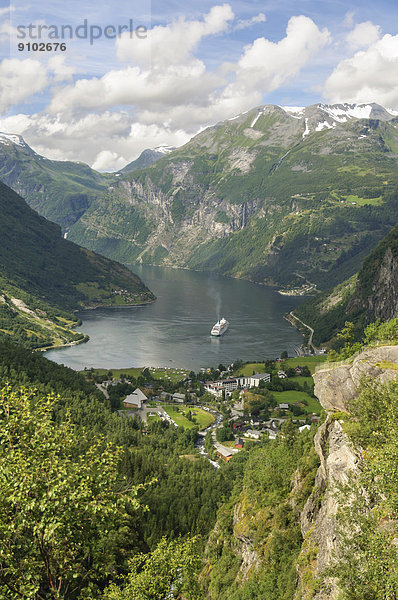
[{"x": 175, "y": 330}]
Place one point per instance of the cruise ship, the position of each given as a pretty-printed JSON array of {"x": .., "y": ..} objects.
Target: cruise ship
[{"x": 220, "y": 327}]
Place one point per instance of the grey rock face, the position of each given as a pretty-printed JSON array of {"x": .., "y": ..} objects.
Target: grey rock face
[
  {"x": 340, "y": 460},
  {"x": 337, "y": 386},
  {"x": 383, "y": 303},
  {"x": 339, "y": 463}
]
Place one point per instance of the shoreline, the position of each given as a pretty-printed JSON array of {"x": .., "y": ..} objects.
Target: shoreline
[
  {"x": 273, "y": 286},
  {"x": 87, "y": 337},
  {"x": 66, "y": 345},
  {"x": 114, "y": 306},
  {"x": 292, "y": 319}
]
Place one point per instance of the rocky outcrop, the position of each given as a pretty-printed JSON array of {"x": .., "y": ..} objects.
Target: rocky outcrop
[
  {"x": 383, "y": 302},
  {"x": 335, "y": 386},
  {"x": 244, "y": 545},
  {"x": 339, "y": 464}
]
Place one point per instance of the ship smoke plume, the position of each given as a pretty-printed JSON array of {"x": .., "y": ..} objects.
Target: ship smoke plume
[{"x": 214, "y": 292}]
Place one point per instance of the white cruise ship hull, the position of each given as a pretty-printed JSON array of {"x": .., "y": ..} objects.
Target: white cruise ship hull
[{"x": 219, "y": 329}]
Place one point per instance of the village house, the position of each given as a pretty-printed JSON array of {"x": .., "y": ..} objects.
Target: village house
[
  {"x": 237, "y": 425},
  {"x": 180, "y": 398},
  {"x": 252, "y": 433},
  {"x": 238, "y": 443},
  {"x": 222, "y": 385},
  {"x": 283, "y": 406},
  {"x": 303, "y": 428},
  {"x": 135, "y": 400},
  {"x": 282, "y": 375},
  {"x": 224, "y": 453}
]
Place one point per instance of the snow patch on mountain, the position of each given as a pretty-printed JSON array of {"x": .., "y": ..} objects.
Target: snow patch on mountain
[
  {"x": 325, "y": 125},
  {"x": 294, "y": 111},
  {"x": 239, "y": 115},
  {"x": 163, "y": 149},
  {"x": 256, "y": 118},
  {"x": 342, "y": 113},
  {"x": 307, "y": 129},
  {"x": 6, "y": 138}
]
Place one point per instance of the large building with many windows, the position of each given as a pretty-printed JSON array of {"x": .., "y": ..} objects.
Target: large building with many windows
[{"x": 234, "y": 383}]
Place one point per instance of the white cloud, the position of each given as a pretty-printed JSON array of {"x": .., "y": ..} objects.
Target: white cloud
[
  {"x": 106, "y": 160},
  {"x": 167, "y": 95},
  {"x": 363, "y": 35},
  {"x": 6, "y": 10},
  {"x": 8, "y": 32},
  {"x": 172, "y": 44},
  {"x": 349, "y": 19},
  {"x": 61, "y": 71},
  {"x": 20, "y": 79},
  {"x": 107, "y": 140},
  {"x": 267, "y": 65},
  {"x": 187, "y": 94},
  {"x": 245, "y": 23},
  {"x": 165, "y": 72},
  {"x": 369, "y": 76}
]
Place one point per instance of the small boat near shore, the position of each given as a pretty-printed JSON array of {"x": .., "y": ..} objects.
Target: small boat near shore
[{"x": 220, "y": 327}]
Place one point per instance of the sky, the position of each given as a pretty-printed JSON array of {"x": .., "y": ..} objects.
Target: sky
[{"x": 136, "y": 74}]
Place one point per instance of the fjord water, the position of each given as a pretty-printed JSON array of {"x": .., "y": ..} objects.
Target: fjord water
[{"x": 175, "y": 330}]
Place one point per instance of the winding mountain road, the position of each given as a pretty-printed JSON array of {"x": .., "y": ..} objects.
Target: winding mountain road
[{"x": 316, "y": 350}]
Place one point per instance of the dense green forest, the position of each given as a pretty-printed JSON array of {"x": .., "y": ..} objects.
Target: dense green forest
[
  {"x": 181, "y": 496},
  {"x": 368, "y": 564},
  {"x": 264, "y": 510}
]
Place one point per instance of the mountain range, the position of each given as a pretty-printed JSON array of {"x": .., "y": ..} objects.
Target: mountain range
[{"x": 277, "y": 195}]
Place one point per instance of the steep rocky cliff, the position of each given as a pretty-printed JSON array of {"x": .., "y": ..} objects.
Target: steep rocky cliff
[
  {"x": 377, "y": 288},
  {"x": 339, "y": 463},
  {"x": 335, "y": 386},
  {"x": 371, "y": 294}
]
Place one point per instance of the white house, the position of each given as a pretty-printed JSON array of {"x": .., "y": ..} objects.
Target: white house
[
  {"x": 252, "y": 433},
  {"x": 136, "y": 399},
  {"x": 303, "y": 428},
  {"x": 271, "y": 433},
  {"x": 179, "y": 398}
]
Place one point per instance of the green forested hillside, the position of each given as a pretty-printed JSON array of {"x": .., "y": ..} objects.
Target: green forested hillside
[
  {"x": 43, "y": 277},
  {"x": 76, "y": 523},
  {"x": 253, "y": 551},
  {"x": 371, "y": 294},
  {"x": 181, "y": 496},
  {"x": 59, "y": 190}
]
